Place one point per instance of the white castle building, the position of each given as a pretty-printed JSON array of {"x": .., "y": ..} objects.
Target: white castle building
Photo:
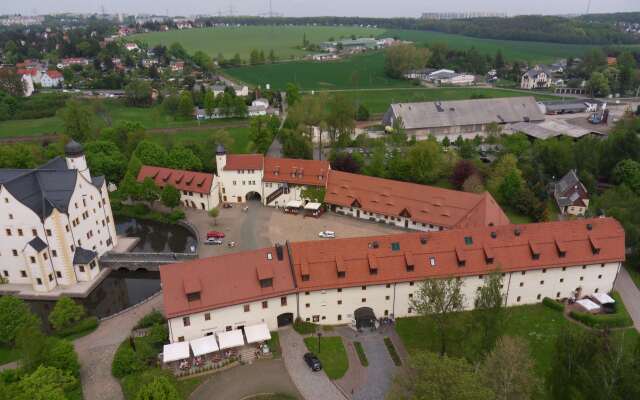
[{"x": 55, "y": 222}]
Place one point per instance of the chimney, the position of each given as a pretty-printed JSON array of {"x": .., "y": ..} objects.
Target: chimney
[{"x": 279, "y": 252}]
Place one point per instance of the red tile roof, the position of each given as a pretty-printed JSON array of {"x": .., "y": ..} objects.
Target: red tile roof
[
  {"x": 27, "y": 71},
  {"x": 296, "y": 171},
  {"x": 53, "y": 74},
  {"x": 224, "y": 280},
  {"x": 233, "y": 279},
  {"x": 199, "y": 182},
  {"x": 420, "y": 203},
  {"x": 237, "y": 162}
]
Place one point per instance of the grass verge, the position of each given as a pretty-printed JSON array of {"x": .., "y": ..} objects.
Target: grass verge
[
  {"x": 392, "y": 351},
  {"x": 304, "y": 328},
  {"x": 361, "y": 355},
  {"x": 274, "y": 345},
  {"x": 331, "y": 353}
]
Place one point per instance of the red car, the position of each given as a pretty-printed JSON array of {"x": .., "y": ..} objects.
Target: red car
[{"x": 215, "y": 234}]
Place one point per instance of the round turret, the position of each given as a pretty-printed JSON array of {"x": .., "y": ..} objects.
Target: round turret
[
  {"x": 73, "y": 149},
  {"x": 220, "y": 150}
]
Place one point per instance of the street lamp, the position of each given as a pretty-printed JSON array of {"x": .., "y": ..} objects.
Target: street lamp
[{"x": 319, "y": 336}]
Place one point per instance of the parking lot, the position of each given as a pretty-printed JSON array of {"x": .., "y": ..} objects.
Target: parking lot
[{"x": 262, "y": 226}]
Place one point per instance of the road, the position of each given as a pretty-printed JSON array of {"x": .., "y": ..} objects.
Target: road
[{"x": 630, "y": 295}]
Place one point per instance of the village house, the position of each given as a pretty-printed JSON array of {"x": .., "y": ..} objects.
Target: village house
[
  {"x": 354, "y": 281},
  {"x": 571, "y": 195},
  {"x": 537, "y": 77},
  {"x": 56, "y": 221},
  {"x": 52, "y": 79},
  {"x": 198, "y": 190},
  {"x": 176, "y": 66}
]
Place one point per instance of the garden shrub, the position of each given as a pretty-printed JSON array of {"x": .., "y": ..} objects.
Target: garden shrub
[
  {"x": 304, "y": 328},
  {"x": 126, "y": 361},
  {"x": 86, "y": 325},
  {"x": 551, "y": 303},
  {"x": 154, "y": 317}
]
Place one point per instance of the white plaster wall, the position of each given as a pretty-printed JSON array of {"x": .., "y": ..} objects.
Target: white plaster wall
[
  {"x": 237, "y": 185},
  {"x": 400, "y": 222}
]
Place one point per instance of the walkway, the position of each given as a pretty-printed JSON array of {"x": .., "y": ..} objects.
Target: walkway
[
  {"x": 630, "y": 295},
  {"x": 11, "y": 365},
  {"x": 264, "y": 376},
  {"x": 312, "y": 385},
  {"x": 96, "y": 351}
]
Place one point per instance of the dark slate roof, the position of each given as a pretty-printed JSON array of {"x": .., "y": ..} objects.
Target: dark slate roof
[
  {"x": 83, "y": 256},
  {"x": 42, "y": 189},
  {"x": 73, "y": 149},
  {"x": 97, "y": 181},
  {"x": 37, "y": 244},
  {"x": 569, "y": 189}
]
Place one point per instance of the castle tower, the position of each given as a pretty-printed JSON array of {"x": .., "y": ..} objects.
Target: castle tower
[
  {"x": 221, "y": 159},
  {"x": 74, "y": 155}
]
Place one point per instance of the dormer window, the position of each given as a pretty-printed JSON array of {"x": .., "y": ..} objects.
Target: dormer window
[
  {"x": 193, "y": 296},
  {"x": 265, "y": 283},
  {"x": 432, "y": 261},
  {"x": 395, "y": 246},
  {"x": 468, "y": 240},
  {"x": 460, "y": 256},
  {"x": 535, "y": 250}
]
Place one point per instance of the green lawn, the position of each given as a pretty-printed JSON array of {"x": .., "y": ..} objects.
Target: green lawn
[
  {"x": 274, "y": 344},
  {"x": 8, "y": 354},
  {"x": 107, "y": 112},
  {"x": 537, "y": 324},
  {"x": 283, "y": 40},
  {"x": 240, "y": 136},
  {"x": 187, "y": 386},
  {"x": 377, "y": 101},
  {"x": 332, "y": 355}
]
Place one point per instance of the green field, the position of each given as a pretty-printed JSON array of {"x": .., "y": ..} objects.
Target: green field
[
  {"x": 377, "y": 101},
  {"x": 111, "y": 112},
  {"x": 362, "y": 71},
  {"x": 240, "y": 136},
  {"x": 231, "y": 40}
]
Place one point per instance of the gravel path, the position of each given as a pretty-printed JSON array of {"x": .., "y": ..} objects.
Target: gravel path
[
  {"x": 264, "y": 376},
  {"x": 630, "y": 295},
  {"x": 96, "y": 350},
  {"x": 312, "y": 385},
  {"x": 11, "y": 365}
]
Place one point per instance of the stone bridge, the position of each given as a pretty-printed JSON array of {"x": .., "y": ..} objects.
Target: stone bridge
[{"x": 142, "y": 261}]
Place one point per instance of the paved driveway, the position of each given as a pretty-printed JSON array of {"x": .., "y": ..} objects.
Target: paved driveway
[
  {"x": 312, "y": 385},
  {"x": 630, "y": 295},
  {"x": 264, "y": 376}
]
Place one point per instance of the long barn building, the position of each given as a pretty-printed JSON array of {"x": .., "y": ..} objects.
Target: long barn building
[{"x": 351, "y": 281}]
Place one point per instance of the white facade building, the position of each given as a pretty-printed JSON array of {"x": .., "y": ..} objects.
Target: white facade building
[
  {"x": 197, "y": 189},
  {"x": 51, "y": 79},
  {"x": 56, "y": 222},
  {"x": 353, "y": 281}
]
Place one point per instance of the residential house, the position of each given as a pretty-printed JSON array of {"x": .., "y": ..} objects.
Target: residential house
[
  {"x": 52, "y": 79},
  {"x": 176, "y": 66},
  {"x": 571, "y": 195},
  {"x": 536, "y": 78}
]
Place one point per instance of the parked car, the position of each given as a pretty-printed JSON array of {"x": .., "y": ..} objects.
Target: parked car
[
  {"x": 215, "y": 234},
  {"x": 312, "y": 361},
  {"x": 212, "y": 240},
  {"x": 227, "y": 205},
  {"x": 327, "y": 234}
]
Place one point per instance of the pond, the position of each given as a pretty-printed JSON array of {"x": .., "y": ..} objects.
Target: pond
[{"x": 156, "y": 237}]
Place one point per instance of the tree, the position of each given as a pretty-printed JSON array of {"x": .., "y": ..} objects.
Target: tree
[
  {"x": 46, "y": 383},
  {"x": 14, "y": 316},
  {"x": 150, "y": 153},
  {"x": 363, "y": 113},
  {"x": 65, "y": 313},
  {"x": 505, "y": 180},
  {"x": 105, "y": 158},
  {"x": 509, "y": 371},
  {"x": 214, "y": 213},
  {"x": 170, "y": 196},
  {"x": 434, "y": 377},
  {"x": 296, "y": 145},
  {"x": 209, "y": 102},
  {"x": 181, "y": 157},
  {"x": 185, "y": 105},
  {"x": 148, "y": 191},
  {"x": 313, "y": 193},
  {"x": 498, "y": 63},
  {"x": 426, "y": 163},
  {"x": 489, "y": 310},
  {"x": 254, "y": 57},
  {"x": 627, "y": 66},
  {"x": 347, "y": 162},
  {"x": 402, "y": 58},
  {"x": 202, "y": 59},
  {"x": 61, "y": 354},
  {"x": 76, "y": 119},
  {"x": 272, "y": 56},
  {"x": 461, "y": 172},
  {"x": 261, "y": 134},
  {"x": 438, "y": 299},
  {"x": 158, "y": 389},
  {"x": 628, "y": 172},
  {"x": 138, "y": 93},
  {"x": 598, "y": 84},
  {"x": 11, "y": 82},
  {"x": 293, "y": 94}
]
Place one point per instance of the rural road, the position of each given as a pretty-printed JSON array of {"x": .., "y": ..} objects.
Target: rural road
[{"x": 630, "y": 295}]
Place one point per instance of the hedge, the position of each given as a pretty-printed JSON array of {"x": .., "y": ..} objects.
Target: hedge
[
  {"x": 304, "y": 328},
  {"x": 131, "y": 384},
  {"x": 82, "y": 327},
  {"x": 551, "y": 303},
  {"x": 126, "y": 361},
  {"x": 361, "y": 354},
  {"x": 142, "y": 211},
  {"x": 392, "y": 351},
  {"x": 620, "y": 319},
  {"x": 154, "y": 317}
]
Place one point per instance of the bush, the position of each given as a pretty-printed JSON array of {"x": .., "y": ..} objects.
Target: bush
[
  {"x": 361, "y": 355},
  {"x": 392, "y": 351},
  {"x": 126, "y": 361},
  {"x": 304, "y": 328},
  {"x": 66, "y": 313},
  {"x": 131, "y": 384},
  {"x": 154, "y": 317},
  {"x": 82, "y": 327},
  {"x": 620, "y": 319},
  {"x": 60, "y": 354},
  {"x": 551, "y": 303}
]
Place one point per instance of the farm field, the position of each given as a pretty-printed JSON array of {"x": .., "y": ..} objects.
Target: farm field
[
  {"x": 231, "y": 40},
  {"x": 361, "y": 71},
  {"x": 105, "y": 113},
  {"x": 377, "y": 101}
]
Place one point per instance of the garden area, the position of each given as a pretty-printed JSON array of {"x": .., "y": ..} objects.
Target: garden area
[{"x": 332, "y": 354}]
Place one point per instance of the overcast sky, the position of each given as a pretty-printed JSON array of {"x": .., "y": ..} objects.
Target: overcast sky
[{"x": 363, "y": 8}]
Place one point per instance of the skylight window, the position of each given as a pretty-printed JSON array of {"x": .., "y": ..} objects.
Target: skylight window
[
  {"x": 468, "y": 240},
  {"x": 432, "y": 261},
  {"x": 395, "y": 246}
]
